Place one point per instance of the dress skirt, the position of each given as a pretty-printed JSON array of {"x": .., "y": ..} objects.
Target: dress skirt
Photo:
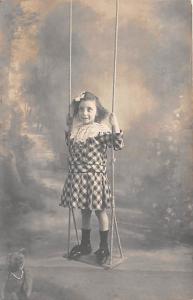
[
  {"x": 87, "y": 191},
  {"x": 87, "y": 185}
]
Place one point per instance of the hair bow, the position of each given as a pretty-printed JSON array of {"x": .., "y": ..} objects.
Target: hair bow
[{"x": 82, "y": 95}]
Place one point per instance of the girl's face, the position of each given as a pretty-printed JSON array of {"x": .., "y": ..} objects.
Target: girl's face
[{"x": 87, "y": 111}]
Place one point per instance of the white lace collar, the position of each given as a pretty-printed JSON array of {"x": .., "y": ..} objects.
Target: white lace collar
[{"x": 83, "y": 132}]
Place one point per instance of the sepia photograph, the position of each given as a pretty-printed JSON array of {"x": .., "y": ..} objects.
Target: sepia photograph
[{"x": 96, "y": 150}]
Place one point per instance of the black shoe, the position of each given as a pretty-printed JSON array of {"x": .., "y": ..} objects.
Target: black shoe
[
  {"x": 102, "y": 254},
  {"x": 80, "y": 250}
]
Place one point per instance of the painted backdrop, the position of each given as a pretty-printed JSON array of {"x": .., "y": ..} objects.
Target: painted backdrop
[{"x": 153, "y": 105}]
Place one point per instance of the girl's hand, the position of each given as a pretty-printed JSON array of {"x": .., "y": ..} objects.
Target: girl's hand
[
  {"x": 114, "y": 123},
  {"x": 69, "y": 121}
]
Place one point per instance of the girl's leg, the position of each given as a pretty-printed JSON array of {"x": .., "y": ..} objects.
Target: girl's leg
[
  {"x": 86, "y": 217},
  {"x": 103, "y": 220},
  {"x": 103, "y": 252},
  {"x": 85, "y": 246}
]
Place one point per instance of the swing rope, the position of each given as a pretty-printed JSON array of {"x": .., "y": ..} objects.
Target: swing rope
[
  {"x": 71, "y": 210},
  {"x": 113, "y": 215},
  {"x": 115, "y": 54},
  {"x": 70, "y": 58}
]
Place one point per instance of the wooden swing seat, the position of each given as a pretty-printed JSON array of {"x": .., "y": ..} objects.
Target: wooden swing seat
[{"x": 90, "y": 259}]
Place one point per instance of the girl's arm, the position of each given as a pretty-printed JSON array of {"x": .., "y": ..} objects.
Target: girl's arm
[
  {"x": 68, "y": 127},
  {"x": 115, "y": 138},
  {"x": 117, "y": 134},
  {"x": 69, "y": 123},
  {"x": 114, "y": 123}
]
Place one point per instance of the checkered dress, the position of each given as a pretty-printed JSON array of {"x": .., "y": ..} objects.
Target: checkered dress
[{"x": 87, "y": 186}]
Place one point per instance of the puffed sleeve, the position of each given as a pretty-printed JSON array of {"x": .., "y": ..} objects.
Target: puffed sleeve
[{"x": 114, "y": 140}]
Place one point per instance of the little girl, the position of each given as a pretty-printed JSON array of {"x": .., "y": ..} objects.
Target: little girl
[{"x": 87, "y": 186}]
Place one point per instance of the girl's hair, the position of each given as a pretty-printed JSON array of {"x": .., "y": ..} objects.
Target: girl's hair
[{"x": 101, "y": 111}]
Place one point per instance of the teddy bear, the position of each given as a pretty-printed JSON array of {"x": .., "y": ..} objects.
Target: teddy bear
[{"x": 17, "y": 283}]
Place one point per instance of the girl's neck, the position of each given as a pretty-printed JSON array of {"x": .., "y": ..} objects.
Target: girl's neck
[{"x": 89, "y": 124}]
